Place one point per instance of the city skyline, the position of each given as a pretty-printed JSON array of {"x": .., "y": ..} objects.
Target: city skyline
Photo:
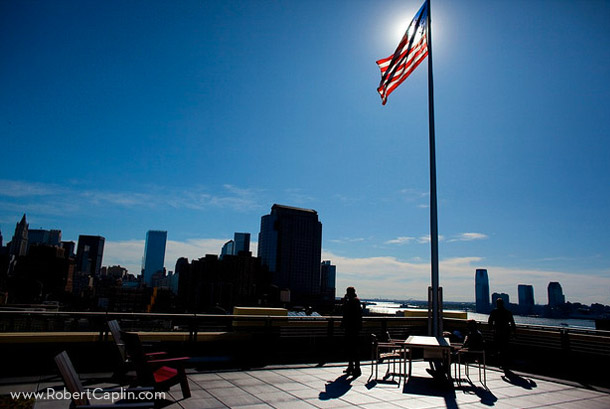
[{"x": 194, "y": 118}]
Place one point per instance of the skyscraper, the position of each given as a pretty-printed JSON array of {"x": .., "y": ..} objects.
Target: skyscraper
[
  {"x": 89, "y": 253},
  {"x": 154, "y": 255},
  {"x": 290, "y": 245},
  {"x": 526, "y": 298},
  {"x": 503, "y": 296},
  {"x": 556, "y": 297},
  {"x": 19, "y": 243},
  {"x": 242, "y": 243},
  {"x": 481, "y": 285},
  {"x": 328, "y": 279}
]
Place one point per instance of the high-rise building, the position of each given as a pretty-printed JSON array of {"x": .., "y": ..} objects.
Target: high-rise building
[
  {"x": 69, "y": 247},
  {"x": 19, "y": 243},
  {"x": 45, "y": 237},
  {"x": 154, "y": 255},
  {"x": 526, "y": 298},
  {"x": 290, "y": 245},
  {"x": 556, "y": 297},
  {"x": 242, "y": 243},
  {"x": 503, "y": 296},
  {"x": 228, "y": 249},
  {"x": 328, "y": 277},
  {"x": 481, "y": 284},
  {"x": 89, "y": 254}
]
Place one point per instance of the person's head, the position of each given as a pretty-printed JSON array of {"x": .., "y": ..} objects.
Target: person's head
[
  {"x": 471, "y": 325},
  {"x": 350, "y": 292},
  {"x": 500, "y": 303}
]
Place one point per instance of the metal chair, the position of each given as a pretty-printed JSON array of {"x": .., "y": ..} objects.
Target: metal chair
[
  {"x": 389, "y": 352},
  {"x": 467, "y": 356}
]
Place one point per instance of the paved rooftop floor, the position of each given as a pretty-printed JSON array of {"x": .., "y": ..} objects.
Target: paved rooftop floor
[{"x": 327, "y": 387}]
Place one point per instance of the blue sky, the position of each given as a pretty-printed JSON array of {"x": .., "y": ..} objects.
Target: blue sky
[{"x": 121, "y": 117}]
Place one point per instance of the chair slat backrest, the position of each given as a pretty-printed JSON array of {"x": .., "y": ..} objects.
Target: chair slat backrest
[
  {"x": 115, "y": 329},
  {"x": 71, "y": 379},
  {"x": 135, "y": 351}
]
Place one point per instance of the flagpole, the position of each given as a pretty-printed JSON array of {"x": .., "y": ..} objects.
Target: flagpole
[{"x": 433, "y": 205}]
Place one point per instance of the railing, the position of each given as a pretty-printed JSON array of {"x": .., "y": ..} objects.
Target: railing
[
  {"x": 253, "y": 340},
  {"x": 560, "y": 338}
]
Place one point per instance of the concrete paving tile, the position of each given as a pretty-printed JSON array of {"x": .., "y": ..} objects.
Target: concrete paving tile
[
  {"x": 291, "y": 386},
  {"x": 203, "y": 403},
  {"x": 205, "y": 377},
  {"x": 329, "y": 404},
  {"x": 216, "y": 384},
  {"x": 262, "y": 388},
  {"x": 294, "y": 405},
  {"x": 275, "y": 397},
  {"x": 306, "y": 394},
  {"x": 358, "y": 398},
  {"x": 52, "y": 404},
  {"x": 239, "y": 399}
]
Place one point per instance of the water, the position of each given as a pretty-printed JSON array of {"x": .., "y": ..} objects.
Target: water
[{"x": 383, "y": 307}]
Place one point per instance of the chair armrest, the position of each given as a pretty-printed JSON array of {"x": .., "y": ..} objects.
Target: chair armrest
[
  {"x": 152, "y": 354},
  {"x": 168, "y": 360}
]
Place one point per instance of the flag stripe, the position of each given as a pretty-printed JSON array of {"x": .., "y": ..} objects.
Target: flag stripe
[{"x": 411, "y": 51}]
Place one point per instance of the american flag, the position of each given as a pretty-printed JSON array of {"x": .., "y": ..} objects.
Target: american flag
[{"x": 411, "y": 51}]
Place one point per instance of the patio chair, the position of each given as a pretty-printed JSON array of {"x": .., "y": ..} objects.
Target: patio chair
[
  {"x": 158, "y": 373},
  {"x": 466, "y": 356},
  {"x": 125, "y": 363},
  {"x": 389, "y": 352},
  {"x": 80, "y": 399}
]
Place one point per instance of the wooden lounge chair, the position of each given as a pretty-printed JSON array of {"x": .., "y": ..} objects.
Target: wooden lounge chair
[
  {"x": 125, "y": 363},
  {"x": 158, "y": 373},
  {"x": 80, "y": 398}
]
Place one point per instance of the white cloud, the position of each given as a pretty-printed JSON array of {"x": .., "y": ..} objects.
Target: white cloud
[
  {"x": 468, "y": 237},
  {"x": 70, "y": 199},
  {"x": 400, "y": 240},
  {"x": 129, "y": 253},
  {"x": 389, "y": 277}
]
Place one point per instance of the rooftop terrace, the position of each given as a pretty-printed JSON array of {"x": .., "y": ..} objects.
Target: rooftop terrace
[{"x": 308, "y": 386}]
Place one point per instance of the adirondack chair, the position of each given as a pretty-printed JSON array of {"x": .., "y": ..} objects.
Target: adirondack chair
[
  {"x": 125, "y": 363},
  {"x": 80, "y": 398},
  {"x": 158, "y": 373}
]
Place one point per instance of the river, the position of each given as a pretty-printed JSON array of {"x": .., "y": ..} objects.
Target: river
[{"x": 383, "y": 307}]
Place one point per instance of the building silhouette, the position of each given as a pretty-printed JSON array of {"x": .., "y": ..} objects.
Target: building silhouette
[
  {"x": 19, "y": 244},
  {"x": 290, "y": 246},
  {"x": 89, "y": 254},
  {"x": 328, "y": 276},
  {"x": 556, "y": 297},
  {"x": 228, "y": 249},
  {"x": 503, "y": 296},
  {"x": 211, "y": 284},
  {"x": 526, "y": 298},
  {"x": 44, "y": 237},
  {"x": 154, "y": 255},
  {"x": 240, "y": 243},
  {"x": 481, "y": 284}
]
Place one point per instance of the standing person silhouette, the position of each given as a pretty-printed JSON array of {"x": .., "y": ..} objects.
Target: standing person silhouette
[
  {"x": 502, "y": 323},
  {"x": 352, "y": 324}
]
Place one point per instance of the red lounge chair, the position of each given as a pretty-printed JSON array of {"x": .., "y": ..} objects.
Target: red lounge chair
[
  {"x": 125, "y": 361},
  {"x": 158, "y": 373}
]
